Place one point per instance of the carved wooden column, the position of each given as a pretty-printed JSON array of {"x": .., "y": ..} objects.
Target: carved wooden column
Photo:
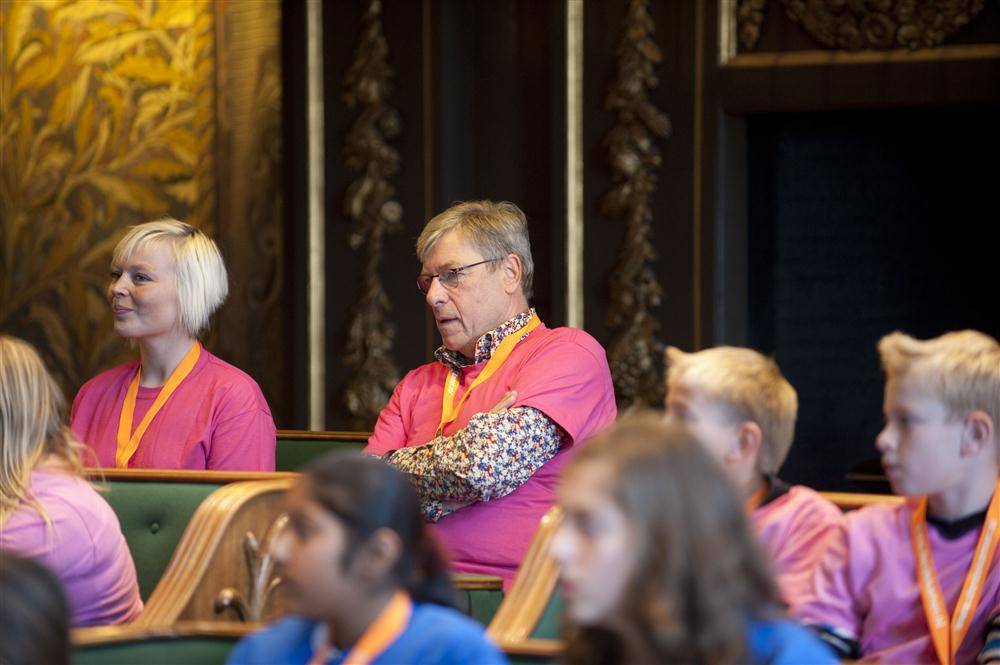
[
  {"x": 634, "y": 352},
  {"x": 369, "y": 202}
]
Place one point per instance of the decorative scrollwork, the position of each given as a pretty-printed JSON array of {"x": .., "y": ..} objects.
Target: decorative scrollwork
[
  {"x": 261, "y": 578},
  {"x": 369, "y": 203},
  {"x": 634, "y": 353},
  {"x": 870, "y": 24}
]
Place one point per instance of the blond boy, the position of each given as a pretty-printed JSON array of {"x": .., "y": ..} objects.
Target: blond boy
[
  {"x": 917, "y": 582},
  {"x": 739, "y": 405}
]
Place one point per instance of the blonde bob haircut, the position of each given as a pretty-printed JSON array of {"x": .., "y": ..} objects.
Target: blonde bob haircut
[
  {"x": 202, "y": 282},
  {"x": 748, "y": 386},
  {"x": 962, "y": 369},
  {"x": 495, "y": 229},
  {"x": 32, "y": 423}
]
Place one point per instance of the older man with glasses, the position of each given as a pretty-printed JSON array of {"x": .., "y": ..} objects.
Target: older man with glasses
[{"x": 485, "y": 429}]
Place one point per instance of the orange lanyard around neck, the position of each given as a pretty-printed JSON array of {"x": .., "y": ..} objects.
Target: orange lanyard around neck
[
  {"x": 379, "y": 636},
  {"x": 128, "y": 441},
  {"x": 449, "y": 410},
  {"x": 754, "y": 501},
  {"x": 947, "y": 636}
]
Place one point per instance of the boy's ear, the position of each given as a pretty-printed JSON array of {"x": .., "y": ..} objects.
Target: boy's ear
[
  {"x": 749, "y": 439},
  {"x": 380, "y": 553},
  {"x": 978, "y": 432}
]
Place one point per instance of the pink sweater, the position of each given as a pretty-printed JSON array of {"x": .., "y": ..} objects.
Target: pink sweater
[
  {"x": 84, "y": 547},
  {"x": 217, "y": 419},
  {"x": 866, "y": 586},
  {"x": 563, "y": 373}
]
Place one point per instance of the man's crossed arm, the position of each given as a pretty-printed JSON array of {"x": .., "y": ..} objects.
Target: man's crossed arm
[{"x": 489, "y": 458}]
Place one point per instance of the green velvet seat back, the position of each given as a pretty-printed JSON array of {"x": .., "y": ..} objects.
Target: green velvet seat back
[
  {"x": 292, "y": 454},
  {"x": 479, "y": 604},
  {"x": 153, "y": 517},
  {"x": 550, "y": 624},
  {"x": 190, "y": 650}
]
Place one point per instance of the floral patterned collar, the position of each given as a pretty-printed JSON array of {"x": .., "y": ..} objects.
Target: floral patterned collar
[{"x": 487, "y": 344}]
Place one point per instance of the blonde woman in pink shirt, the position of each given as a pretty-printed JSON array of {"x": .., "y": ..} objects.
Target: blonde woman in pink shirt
[
  {"x": 48, "y": 512},
  {"x": 177, "y": 406}
]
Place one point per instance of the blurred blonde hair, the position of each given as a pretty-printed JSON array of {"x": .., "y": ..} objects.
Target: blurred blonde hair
[
  {"x": 202, "y": 281},
  {"x": 32, "y": 423},
  {"x": 748, "y": 386},
  {"x": 495, "y": 229},
  {"x": 962, "y": 369}
]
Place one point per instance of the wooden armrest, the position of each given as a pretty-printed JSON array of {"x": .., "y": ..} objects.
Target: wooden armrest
[
  {"x": 536, "y": 647},
  {"x": 100, "y": 635},
  {"x": 853, "y": 501},
  {"x": 468, "y": 582}
]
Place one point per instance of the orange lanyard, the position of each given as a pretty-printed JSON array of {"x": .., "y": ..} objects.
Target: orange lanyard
[
  {"x": 449, "y": 410},
  {"x": 386, "y": 629},
  {"x": 757, "y": 498},
  {"x": 947, "y": 637},
  {"x": 128, "y": 441}
]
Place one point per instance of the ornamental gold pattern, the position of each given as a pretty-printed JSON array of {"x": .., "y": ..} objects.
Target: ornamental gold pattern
[{"x": 108, "y": 120}]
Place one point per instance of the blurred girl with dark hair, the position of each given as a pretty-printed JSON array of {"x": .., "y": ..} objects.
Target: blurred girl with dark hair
[
  {"x": 658, "y": 564},
  {"x": 365, "y": 577},
  {"x": 34, "y": 617}
]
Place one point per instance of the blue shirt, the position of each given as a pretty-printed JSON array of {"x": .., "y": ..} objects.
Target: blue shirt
[
  {"x": 435, "y": 635},
  {"x": 782, "y": 641}
]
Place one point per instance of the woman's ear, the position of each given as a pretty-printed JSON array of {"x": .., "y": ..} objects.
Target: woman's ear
[
  {"x": 978, "y": 432},
  {"x": 379, "y": 555}
]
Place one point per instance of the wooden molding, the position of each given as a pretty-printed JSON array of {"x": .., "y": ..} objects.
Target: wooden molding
[
  {"x": 533, "y": 586},
  {"x": 467, "y": 582},
  {"x": 98, "y": 474},
  {"x": 840, "y": 58},
  {"x": 313, "y": 435}
]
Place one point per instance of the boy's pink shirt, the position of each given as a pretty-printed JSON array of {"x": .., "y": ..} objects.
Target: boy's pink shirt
[
  {"x": 866, "y": 585},
  {"x": 217, "y": 419},
  {"x": 563, "y": 373},
  {"x": 84, "y": 547},
  {"x": 795, "y": 529}
]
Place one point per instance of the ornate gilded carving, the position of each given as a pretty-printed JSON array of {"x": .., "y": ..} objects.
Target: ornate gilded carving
[
  {"x": 369, "y": 203},
  {"x": 261, "y": 577},
  {"x": 634, "y": 353},
  {"x": 871, "y": 24}
]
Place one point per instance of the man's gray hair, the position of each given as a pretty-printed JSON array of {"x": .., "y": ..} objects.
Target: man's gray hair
[{"x": 495, "y": 229}]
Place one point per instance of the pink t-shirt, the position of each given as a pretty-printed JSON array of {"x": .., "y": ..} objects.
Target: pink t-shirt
[
  {"x": 217, "y": 419},
  {"x": 563, "y": 373},
  {"x": 866, "y": 585},
  {"x": 795, "y": 529},
  {"x": 84, "y": 547}
]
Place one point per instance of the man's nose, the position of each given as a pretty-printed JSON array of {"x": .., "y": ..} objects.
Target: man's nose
[
  {"x": 884, "y": 441},
  {"x": 436, "y": 294}
]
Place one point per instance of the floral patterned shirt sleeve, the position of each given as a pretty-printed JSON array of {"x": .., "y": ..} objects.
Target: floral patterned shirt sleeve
[{"x": 488, "y": 459}]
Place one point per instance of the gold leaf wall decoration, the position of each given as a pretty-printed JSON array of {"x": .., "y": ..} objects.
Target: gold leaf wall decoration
[{"x": 107, "y": 119}]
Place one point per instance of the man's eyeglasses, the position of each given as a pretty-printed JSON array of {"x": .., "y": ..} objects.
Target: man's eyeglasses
[{"x": 448, "y": 278}]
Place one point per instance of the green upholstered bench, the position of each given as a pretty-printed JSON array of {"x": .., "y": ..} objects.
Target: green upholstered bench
[
  {"x": 296, "y": 448},
  {"x": 155, "y": 506},
  {"x": 191, "y": 643}
]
